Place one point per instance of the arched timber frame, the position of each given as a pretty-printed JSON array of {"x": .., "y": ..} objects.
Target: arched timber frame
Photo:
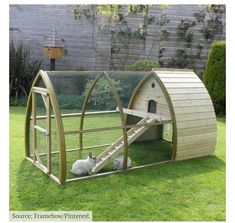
[
  {"x": 59, "y": 125},
  {"x": 119, "y": 105},
  {"x": 169, "y": 103}
]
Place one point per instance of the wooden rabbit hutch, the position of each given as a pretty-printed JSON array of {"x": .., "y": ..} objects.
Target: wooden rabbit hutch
[{"x": 147, "y": 103}]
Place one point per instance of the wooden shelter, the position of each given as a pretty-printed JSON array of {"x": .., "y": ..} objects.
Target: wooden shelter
[{"x": 175, "y": 97}]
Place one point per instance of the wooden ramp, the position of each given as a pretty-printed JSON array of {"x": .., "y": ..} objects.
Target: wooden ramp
[{"x": 117, "y": 147}]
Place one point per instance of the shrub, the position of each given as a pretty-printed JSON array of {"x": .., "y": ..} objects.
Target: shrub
[
  {"x": 20, "y": 101},
  {"x": 214, "y": 78},
  {"x": 22, "y": 71},
  {"x": 142, "y": 65},
  {"x": 126, "y": 87},
  {"x": 70, "y": 101},
  {"x": 102, "y": 97}
]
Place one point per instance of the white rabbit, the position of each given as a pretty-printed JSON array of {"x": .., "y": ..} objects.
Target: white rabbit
[
  {"x": 118, "y": 163},
  {"x": 82, "y": 167}
]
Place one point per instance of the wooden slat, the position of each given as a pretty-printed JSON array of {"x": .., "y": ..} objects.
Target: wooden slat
[
  {"x": 142, "y": 100},
  {"x": 146, "y": 89},
  {"x": 40, "y": 90},
  {"x": 205, "y": 144},
  {"x": 194, "y": 155},
  {"x": 143, "y": 105},
  {"x": 194, "y": 116},
  {"x": 195, "y": 123},
  {"x": 77, "y": 149},
  {"x": 150, "y": 92},
  {"x": 196, "y": 130},
  {"x": 179, "y": 75},
  {"x": 173, "y": 91},
  {"x": 195, "y": 138},
  {"x": 184, "y": 85},
  {"x": 202, "y": 150},
  {"x": 184, "y": 96},
  {"x": 79, "y": 114},
  {"x": 174, "y": 71},
  {"x": 189, "y": 103},
  {"x": 180, "y": 80},
  {"x": 194, "y": 109}
]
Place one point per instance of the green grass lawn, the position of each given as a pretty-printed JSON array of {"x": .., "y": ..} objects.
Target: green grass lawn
[{"x": 184, "y": 190}]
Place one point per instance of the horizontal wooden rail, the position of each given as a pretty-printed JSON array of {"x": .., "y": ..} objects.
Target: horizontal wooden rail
[
  {"x": 76, "y": 149},
  {"x": 116, "y": 171},
  {"x": 40, "y": 90},
  {"x": 77, "y": 114},
  {"x": 115, "y": 127}
]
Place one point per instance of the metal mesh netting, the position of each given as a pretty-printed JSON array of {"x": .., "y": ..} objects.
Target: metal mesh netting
[
  {"x": 72, "y": 87},
  {"x": 102, "y": 120}
]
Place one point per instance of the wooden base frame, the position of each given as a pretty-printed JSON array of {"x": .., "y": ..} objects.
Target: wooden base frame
[
  {"x": 117, "y": 171},
  {"x": 44, "y": 170}
]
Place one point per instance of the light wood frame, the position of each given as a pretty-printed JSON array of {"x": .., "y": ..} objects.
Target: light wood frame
[
  {"x": 59, "y": 125},
  {"x": 119, "y": 105},
  {"x": 52, "y": 105}
]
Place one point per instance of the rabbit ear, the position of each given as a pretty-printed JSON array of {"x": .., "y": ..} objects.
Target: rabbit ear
[{"x": 90, "y": 155}]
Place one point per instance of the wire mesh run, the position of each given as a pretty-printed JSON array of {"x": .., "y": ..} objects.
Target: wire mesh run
[{"x": 97, "y": 115}]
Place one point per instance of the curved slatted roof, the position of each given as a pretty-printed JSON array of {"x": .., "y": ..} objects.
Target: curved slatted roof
[{"x": 195, "y": 121}]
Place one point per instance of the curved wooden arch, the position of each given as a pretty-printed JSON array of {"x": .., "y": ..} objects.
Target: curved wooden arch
[
  {"x": 119, "y": 105},
  {"x": 59, "y": 124},
  {"x": 171, "y": 108},
  {"x": 169, "y": 103}
]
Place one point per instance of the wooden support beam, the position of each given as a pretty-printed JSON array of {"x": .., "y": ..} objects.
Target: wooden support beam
[
  {"x": 49, "y": 134},
  {"x": 116, "y": 171},
  {"x": 84, "y": 105},
  {"x": 44, "y": 98},
  {"x": 144, "y": 114},
  {"x": 77, "y": 149},
  {"x": 115, "y": 127},
  {"x": 77, "y": 114},
  {"x": 40, "y": 90},
  {"x": 34, "y": 133},
  {"x": 37, "y": 156},
  {"x": 44, "y": 170}
]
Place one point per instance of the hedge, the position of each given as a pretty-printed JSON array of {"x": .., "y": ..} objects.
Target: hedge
[{"x": 214, "y": 77}]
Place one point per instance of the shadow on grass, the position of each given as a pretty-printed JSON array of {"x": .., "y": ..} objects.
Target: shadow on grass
[{"x": 36, "y": 191}]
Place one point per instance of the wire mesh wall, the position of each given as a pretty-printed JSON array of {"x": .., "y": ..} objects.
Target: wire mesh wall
[{"x": 102, "y": 124}]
